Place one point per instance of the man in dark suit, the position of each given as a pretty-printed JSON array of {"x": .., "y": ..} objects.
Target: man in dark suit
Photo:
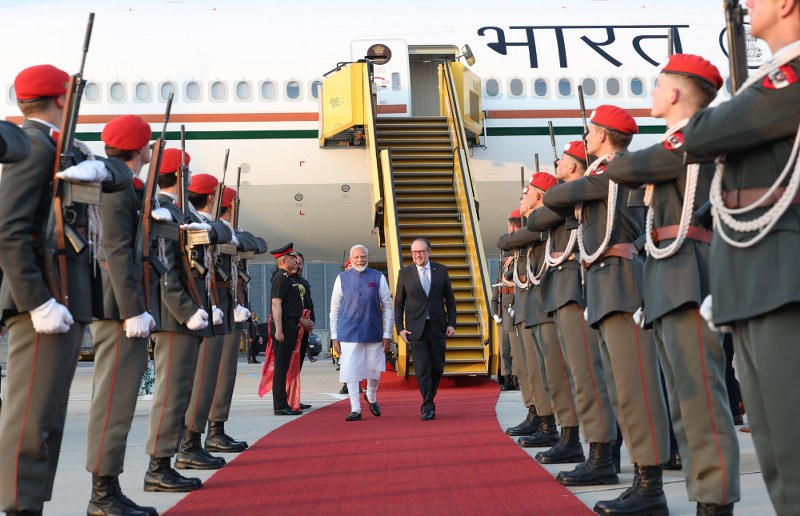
[{"x": 423, "y": 290}]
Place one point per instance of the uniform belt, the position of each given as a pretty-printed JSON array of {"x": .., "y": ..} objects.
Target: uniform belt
[
  {"x": 558, "y": 254},
  {"x": 670, "y": 232},
  {"x": 223, "y": 284},
  {"x": 626, "y": 251},
  {"x": 734, "y": 199},
  {"x": 506, "y": 290}
]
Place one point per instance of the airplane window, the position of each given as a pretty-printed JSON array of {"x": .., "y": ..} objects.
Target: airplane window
[
  {"x": 92, "y": 92},
  {"x": 293, "y": 90},
  {"x": 268, "y": 90},
  {"x": 218, "y": 90},
  {"x": 728, "y": 85},
  {"x": 612, "y": 87},
  {"x": 193, "y": 91},
  {"x": 540, "y": 88},
  {"x": 492, "y": 88},
  {"x": 117, "y": 92},
  {"x": 637, "y": 87},
  {"x": 589, "y": 87},
  {"x": 316, "y": 86},
  {"x": 243, "y": 90},
  {"x": 395, "y": 81},
  {"x": 12, "y": 97},
  {"x": 564, "y": 88},
  {"x": 516, "y": 88},
  {"x": 165, "y": 89},
  {"x": 143, "y": 92}
]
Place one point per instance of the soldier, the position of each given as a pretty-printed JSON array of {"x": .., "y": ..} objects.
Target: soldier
[
  {"x": 287, "y": 308},
  {"x": 217, "y": 440},
  {"x": 308, "y": 324},
  {"x": 538, "y": 428},
  {"x": 613, "y": 269},
  {"x": 676, "y": 281},
  {"x": 44, "y": 335},
  {"x": 182, "y": 324},
  {"x": 14, "y": 145},
  {"x": 120, "y": 334},
  {"x": 502, "y": 305},
  {"x": 756, "y": 248},
  {"x": 568, "y": 448},
  {"x": 191, "y": 454},
  {"x": 562, "y": 295}
]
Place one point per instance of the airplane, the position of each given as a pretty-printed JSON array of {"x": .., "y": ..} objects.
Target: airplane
[{"x": 247, "y": 76}]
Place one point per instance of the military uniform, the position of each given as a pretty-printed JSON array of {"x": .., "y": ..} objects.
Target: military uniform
[
  {"x": 502, "y": 301},
  {"x": 755, "y": 288},
  {"x": 14, "y": 145},
  {"x": 40, "y": 366}
]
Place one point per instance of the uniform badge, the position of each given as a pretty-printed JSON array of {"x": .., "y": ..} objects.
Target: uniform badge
[
  {"x": 780, "y": 78},
  {"x": 674, "y": 141}
]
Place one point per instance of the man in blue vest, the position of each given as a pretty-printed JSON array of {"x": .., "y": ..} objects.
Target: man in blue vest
[{"x": 361, "y": 329}]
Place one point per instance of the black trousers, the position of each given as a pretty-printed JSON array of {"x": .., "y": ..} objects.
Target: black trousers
[
  {"x": 731, "y": 383},
  {"x": 428, "y": 353},
  {"x": 283, "y": 355},
  {"x": 304, "y": 348}
]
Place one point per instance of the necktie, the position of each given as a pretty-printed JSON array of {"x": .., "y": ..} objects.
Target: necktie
[{"x": 426, "y": 283}]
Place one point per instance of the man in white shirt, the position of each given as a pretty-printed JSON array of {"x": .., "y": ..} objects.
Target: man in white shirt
[{"x": 361, "y": 321}]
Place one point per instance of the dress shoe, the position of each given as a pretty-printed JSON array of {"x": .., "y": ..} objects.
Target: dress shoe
[
  {"x": 218, "y": 441},
  {"x": 598, "y": 470},
  {"x": 192, "y": 456},
  {"x": 374, "y": 408},
  {"x": 567, "y": 450},
  {"x": 130, "y": 503},
  {"x": 105, "y": 500},
  {"x": 545, "y": 436},
  {"x": 428, "y": 415},
  {"x": 646, "y": 496},
  {"x": 288, "y": 411},
  {"x": 353, "y": 416},
  {"x": 712, "y": 509},
  {"x": 161, "y": 477},
  {"x": 674, "y": 463},
  {"x": 738, "y": 420},
  {"x": 528, "y": 426},
  {"x": 303, "y": 406}
]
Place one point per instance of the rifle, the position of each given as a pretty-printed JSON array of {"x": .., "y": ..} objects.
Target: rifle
[
  {"x": 536, "y": 162},
  {"x": 670, "y": 41},
  {"x": 235, "y": 214},
  {"x": 187, "y": 249},
  {"x": 55, "y": 274},
  {"x": 217, "y": 209},
  {"x": 585, "y": 124},
  {"x": 146, "y": 222},
  {"x": 553, "y": 143}
]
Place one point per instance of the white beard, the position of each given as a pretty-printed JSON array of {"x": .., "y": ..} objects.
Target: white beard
[{"x": 360, "y": 268}]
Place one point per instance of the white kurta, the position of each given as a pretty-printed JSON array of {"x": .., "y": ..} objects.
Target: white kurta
[{"x": 362, "y": 360}]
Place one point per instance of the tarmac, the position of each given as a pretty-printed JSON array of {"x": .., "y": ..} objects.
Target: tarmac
[{"x": 251, "y": 418}]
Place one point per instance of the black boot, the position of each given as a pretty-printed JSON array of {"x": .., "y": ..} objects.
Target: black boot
[
  {"x": 674, "y": 463},
  {"x": 514, "y": 383},
  {"x": 161, "y": 477},
  {"x": 546, "y": 435},
  {"x": 218, "y": 441},
  {"x": 598, "y": 470},
  {"x": 712, "y": 509},
  {"x": 567, "y": 450},
  {"x": 528, "y": 426},
  {"x": 130, "y": 503},
  {"x": 506, "y": 385},
  {"x": 192, "y": 456},
  {"x": 645, "y": 497},
  {"x": 105, "y": 502}
]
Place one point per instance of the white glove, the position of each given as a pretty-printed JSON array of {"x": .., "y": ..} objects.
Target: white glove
[
  {"x": 586, "y": 314},
  {"x": 51, "y": 317},
  {"x": 217, "y": 315},
  {"x": 139, "y": 326},
  {"x": 90, "y": 171},
  {"x": 241, "y": 314},
  {"x": 707, "y": 312},
  {"x": 497, "y": 319},
  {"x": 161, "y": 214},
  {"x": 511, "y": 311},
  {"x": 196, "y": 225},
  {"x": 638, "y": 317},
  {"x": 198, "y": 321},
  {"x": 234, "y": 240}
]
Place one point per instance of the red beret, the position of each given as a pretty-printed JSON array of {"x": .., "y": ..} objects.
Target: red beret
[
  {"x": 228, "y": 195},
  {"x": 127, "y": 132},
  {"x": 171, "y": 160},
  {"x": 694, "y": 66},
  {"x": 514, "y": 215},
  {"x": 40, "y": 81},
  {"x": 576, "y": 150},
  {"x": 543, "y": 181},
  {"x": 612, "y": 117},
  {"x": 203, "y": 184}
]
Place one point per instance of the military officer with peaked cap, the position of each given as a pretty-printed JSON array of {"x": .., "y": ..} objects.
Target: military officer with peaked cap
[
  {"x": 676, "y": 281},
  {"x": 120, "y": 334},
  {"x": 606, "y": 235},
  {"x": 755, "y": 279},
  {"x": 44, "y": 334},
  {"x": 183, "y": 322}
]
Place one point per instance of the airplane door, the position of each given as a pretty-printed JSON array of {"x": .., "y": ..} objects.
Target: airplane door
[{"x": 391, "y": 78}]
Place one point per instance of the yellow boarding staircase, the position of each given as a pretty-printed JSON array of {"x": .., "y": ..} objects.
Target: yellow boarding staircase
[{"x": 422, "y": 188}]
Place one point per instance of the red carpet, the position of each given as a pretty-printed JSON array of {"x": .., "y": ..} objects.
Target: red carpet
[{"x": 459, "y": 463}]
